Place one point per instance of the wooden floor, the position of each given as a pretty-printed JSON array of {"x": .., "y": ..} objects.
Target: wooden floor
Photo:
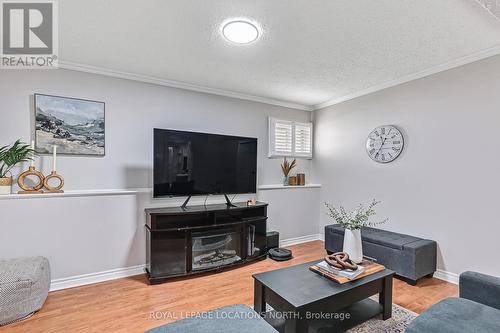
[{"x": 127, "y": 305}]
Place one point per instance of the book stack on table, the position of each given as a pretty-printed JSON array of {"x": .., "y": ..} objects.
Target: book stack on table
[{"x": 341, "y": 276}]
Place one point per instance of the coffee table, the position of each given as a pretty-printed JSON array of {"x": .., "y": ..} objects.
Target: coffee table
[{"x": 304, "y": 299}]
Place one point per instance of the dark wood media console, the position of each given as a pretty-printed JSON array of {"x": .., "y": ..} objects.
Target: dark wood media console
[{"x": 197, "y": 239}]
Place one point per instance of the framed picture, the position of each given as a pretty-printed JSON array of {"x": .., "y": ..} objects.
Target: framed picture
[{"x": 75, "y": 126}]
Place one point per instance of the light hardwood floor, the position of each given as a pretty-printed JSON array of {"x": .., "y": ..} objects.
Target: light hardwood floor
[{"x": 126, "y": 305}]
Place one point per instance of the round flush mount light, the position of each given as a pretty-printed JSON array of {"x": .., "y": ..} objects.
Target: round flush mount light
[{"x": 240, "y": 31}]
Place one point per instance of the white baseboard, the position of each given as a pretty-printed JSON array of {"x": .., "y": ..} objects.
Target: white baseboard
[
  {"x": 113, "y": 274},
  {"x": 82, "y": 280},
  {"x": 298, "y": 240},
  {"x": 446, "y": 276}
]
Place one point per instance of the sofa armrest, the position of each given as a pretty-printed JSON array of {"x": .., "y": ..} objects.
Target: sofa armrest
[{"x": 481, "y": 288}]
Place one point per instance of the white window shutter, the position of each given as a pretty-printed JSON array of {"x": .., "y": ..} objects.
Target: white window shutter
[
  {"x": 303, "y": 140},
  {"x": 288, "y": 138},
  {"x": 280, "y": 137}
]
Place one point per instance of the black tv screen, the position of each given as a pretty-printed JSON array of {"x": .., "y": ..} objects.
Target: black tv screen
[{"x": 189, "y": 163}]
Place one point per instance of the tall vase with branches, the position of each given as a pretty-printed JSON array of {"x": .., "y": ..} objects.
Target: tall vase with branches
[
  {"x": 286, "y": 167},
  {"x": 352, "y": 222},
  {"x": 10, "y": 156}
]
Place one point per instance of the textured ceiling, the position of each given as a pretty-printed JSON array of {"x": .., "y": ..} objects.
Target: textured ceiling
[{"x": 310, "y": 51}]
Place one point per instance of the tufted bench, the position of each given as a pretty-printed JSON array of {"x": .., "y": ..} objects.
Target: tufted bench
[
  {"x": 24, "y": 286},
  {"x": 410, "y": 257}
]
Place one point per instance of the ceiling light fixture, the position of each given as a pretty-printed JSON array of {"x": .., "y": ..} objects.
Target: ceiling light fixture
[{"x": 240, "y": 31}]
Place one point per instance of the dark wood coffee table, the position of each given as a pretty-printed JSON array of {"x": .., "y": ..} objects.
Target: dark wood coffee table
[{"x": 303, "y": 298}]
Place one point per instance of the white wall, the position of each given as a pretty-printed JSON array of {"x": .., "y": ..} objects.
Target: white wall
[
  {"x": 294, "y": 212},
  {"x": 79, "y": 235},
  {"x": 445, "y": 186},
  {"x": 85, "y": 235}
]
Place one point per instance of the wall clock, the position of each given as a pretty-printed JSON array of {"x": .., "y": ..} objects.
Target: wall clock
[{"x": 384, "y": 144}]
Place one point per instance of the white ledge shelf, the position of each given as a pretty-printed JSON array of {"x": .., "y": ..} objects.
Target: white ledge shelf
[
  {"x": 288, "y": 187},
  {"x": 75, "y": 193},
  {"x": 132, "y": 191}
]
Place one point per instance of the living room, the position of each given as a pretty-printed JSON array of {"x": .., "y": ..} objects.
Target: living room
[{"x": 187, "y": 166}]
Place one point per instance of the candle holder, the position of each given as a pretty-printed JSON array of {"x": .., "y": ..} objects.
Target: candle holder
[
  {"x": 33, "y": 189},
  {"x": 53, "y": 189}
]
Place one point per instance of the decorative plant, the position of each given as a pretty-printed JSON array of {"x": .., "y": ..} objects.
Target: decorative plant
[
  {"x": 355, "y": 220},
  {"x": 286, "y": 166},
  {"x": 10, "y": 156}
]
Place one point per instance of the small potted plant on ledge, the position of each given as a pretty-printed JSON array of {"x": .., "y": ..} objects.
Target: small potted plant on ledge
[
  {"x": 352, "y": 222},
  {"x": 286, "y": 167},
  {"x": 10, "y": 156}
]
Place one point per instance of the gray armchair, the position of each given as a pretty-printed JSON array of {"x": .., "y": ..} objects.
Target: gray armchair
[
  {"x": 480, "y": 288},
  {"x": 477, "y": 309}
]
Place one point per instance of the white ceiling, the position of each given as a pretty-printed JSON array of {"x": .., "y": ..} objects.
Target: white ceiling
[{"x": 312, "y": 52}]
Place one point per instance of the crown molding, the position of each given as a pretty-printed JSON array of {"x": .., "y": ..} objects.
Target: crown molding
[
  {"x": 490, "y": 52},
  {"x": 493, "y": 8},
  {"x": 178, "y": 84}
]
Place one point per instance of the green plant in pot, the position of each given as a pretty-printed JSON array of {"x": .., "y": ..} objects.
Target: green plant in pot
[
  {"x": 10, "y": 156},
  {"x": 352, "y": 222}
]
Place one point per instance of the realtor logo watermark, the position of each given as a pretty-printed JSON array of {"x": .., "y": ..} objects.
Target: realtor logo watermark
[{"x": 29, "y": 34}]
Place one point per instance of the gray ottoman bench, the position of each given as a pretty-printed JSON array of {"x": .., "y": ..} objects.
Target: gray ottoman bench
[
  {"x": 24, "y": 286},
  {"x": 236, "y": 318},
  {"x": 410, "y": 257}
]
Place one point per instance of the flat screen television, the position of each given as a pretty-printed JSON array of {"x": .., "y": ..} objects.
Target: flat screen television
[{"x": 189, "y": 163}]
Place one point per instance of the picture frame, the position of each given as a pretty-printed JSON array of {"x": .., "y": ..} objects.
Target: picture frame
[{"x": 76, "y": 126}]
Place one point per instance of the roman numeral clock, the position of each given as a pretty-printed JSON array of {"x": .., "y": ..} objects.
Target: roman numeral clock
[{"x": 384, "y": 144}]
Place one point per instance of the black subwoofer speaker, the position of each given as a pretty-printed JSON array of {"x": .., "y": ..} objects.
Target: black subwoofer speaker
[{"x": 273, "y": 240}]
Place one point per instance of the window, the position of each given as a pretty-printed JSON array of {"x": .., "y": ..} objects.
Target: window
[{"x": 288, "y": 138}]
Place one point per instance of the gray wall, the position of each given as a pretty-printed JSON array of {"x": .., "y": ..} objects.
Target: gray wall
[
  {"x": 132, "y": 110},
  {"x": 87, "y": 235},
  {"x": 445, "y": 185}
]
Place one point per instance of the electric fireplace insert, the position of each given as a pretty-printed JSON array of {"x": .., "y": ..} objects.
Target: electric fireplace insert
[{"x": 214, "y": 249}]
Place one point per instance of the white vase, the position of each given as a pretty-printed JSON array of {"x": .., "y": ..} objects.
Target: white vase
[
  {"x": 5, "y": 185},
  {"x": 4, "y": 190},
  {"x": 353, "y": 245}
]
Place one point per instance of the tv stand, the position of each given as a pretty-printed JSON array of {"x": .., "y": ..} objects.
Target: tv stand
[{"x": 182, "y": 242}]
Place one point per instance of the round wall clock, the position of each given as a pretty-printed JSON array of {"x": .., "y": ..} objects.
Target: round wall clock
[{"x": 384, "y": 144}]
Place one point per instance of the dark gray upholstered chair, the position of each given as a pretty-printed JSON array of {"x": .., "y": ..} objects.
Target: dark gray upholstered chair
[
  {"x": 236, "y": 318},
  {"x": 476, "y": 310},
  {"x": 410, "y": 257}
]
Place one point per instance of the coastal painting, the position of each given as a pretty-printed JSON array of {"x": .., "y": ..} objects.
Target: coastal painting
[{"x": 75, "y": 126}]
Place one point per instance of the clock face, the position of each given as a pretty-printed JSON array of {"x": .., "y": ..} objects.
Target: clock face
[{"x": 384, "y": 144}]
